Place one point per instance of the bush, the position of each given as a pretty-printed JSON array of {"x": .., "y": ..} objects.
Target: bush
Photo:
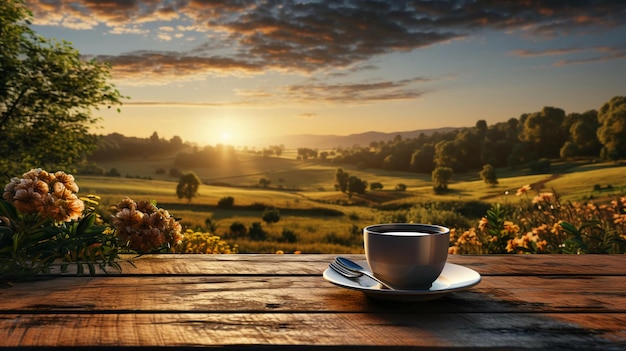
[
  {"x": 288, "y": 236},
  {"x": 271, "y": 215},
  {"x": 226, "y": 202},
  {"x": 376, "y": 186},
  {"x": 238, "y": 229},
  {"x": 256, "y": 232}
]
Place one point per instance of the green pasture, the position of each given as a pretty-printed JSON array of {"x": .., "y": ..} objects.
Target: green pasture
[{"x": 325, "y": 220}]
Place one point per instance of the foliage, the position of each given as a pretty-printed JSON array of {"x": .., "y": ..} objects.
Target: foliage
[
  {"x": 115, "y": 146},
  {"x": 441, "y": 178},
  {"x": 188, "y": 185},
  {"x": 612, "y": 130},
  {"x": 306, "y": 153},
  {"x": 256, "y": 232},
  {"x": 204, "y": 243},
  {"x": 488, "y": 174},
  {"x": 238, "y": 229},
  {"x": 47, "y": 95},
  {"x": 356, "y": 185},
  {"x": 271, "y": 215},
  {"x": 209, "y": 156},
  {"x": 288, "y": 236},
  {"x": 376, "y": 186},
  {"x": 546, "y": 225},
  {"x": 400, "y": 187},
  {"x": 226, "y": 202},
  {"x": 341, "y": 179},
  {"x": 42, "y": 222},
  {"x": 548, "y": 133}
]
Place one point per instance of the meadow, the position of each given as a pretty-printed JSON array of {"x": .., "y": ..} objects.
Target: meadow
[{"x": 315, "y": 218}]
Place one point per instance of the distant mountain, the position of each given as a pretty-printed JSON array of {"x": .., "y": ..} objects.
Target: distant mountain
[{"x": 313, "y": 141}]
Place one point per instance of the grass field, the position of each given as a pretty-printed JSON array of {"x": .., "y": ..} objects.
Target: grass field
[{"x": 322, "y": 219}]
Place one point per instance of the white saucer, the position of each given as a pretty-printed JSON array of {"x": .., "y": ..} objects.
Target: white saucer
[{"x": 453, "y": 278}]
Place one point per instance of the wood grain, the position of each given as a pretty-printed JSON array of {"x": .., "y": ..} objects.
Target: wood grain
[
  {"x": 260, "y": 302},
  {"x": 233, "y": 294},
  {"x": 241, "y": 264}
]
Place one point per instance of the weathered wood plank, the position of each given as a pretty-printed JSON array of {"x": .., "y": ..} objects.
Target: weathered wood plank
[
  {"x": 495, "y": 294},
  {"x": 505, "y": 330},
  {"x": 312, "y": 264}
]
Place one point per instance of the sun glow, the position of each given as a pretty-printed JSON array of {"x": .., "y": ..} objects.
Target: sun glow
[{"x": 226, "y": 137}]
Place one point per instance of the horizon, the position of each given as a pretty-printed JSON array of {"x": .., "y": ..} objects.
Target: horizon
[{"x": 230, "y": 73}]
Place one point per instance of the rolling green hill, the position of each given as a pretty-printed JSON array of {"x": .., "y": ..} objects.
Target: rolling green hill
[{"x": 325, "y": 220}]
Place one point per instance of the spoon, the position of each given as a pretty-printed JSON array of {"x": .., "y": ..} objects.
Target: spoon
[{"x": 351, "y": 269}]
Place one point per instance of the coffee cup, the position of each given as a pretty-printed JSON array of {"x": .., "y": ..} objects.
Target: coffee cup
[{"x": 407, "y": 256}]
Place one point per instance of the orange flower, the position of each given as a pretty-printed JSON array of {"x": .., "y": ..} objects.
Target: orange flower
[
  {"x": 67, "y": 180},
  {"x": 523, "y": 190},
  {"x": 145, "y": 227}
]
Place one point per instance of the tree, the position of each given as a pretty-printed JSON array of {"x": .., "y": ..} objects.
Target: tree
[
  {"x": 271, "y": 215},
  {"x": 445, "y": 153},
  {"x": 188, "y": 185},
  {"x": 422, "y": 160},
  {"x": 544, "y": 132},
  {"x": 376, "y": 186},
  {"x": 441, "y": 177},
  {"x": 264, "y": 182},
  {"x": 47, "y": 95},
  {"x": 612, "y": 131},
  {"x": 356, "y": 185},
  {"x": 583, "y": 131},
  {"x": 488, "y": 174},
  {"x": 226, "y": 202},
  {"x": 341, "y": 178}
]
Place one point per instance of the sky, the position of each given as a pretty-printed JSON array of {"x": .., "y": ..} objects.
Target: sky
[{"x": 232, "y": 71}]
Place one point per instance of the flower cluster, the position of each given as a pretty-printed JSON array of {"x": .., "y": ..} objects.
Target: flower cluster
[
  {"x": 143, "y": 227},
  {"x": 43, "y": 223},
  {"x": 544, "y": 224},
  {"x": 48, "y": 195},
  {"x": 205, "y": 243}
]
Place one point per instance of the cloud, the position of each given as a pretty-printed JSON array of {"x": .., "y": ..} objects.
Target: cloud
[
  {"x": 314, "y": 36},
  {"x": 306, "y": 116},
  {"x": 359, "y": 93},
  {"x": 538, "y": 53},
  {"x": 606, "y": 53}
]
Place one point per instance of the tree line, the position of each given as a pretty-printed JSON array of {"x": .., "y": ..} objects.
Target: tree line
[{"x": 531, "y": 138}]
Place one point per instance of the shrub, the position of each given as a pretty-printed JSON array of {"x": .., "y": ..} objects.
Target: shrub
[
  {"x": 271, "y": 215},
  {"x": 376, "y": 186},
  {"x": 238, "y": 229},
  {"x": 226, "y": 202},
  {"x": 288, "y": 236},
  {"x": 256, "y": 232}
]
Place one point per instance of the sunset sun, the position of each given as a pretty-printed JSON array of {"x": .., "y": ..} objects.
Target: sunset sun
[{"x": 226, "y": 137}]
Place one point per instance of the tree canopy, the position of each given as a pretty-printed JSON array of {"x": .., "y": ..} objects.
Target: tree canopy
[
  {"x": 547, "y": 134},
  {"x": 612, "y": 131},
  {"x": 188, "y": 185},
  {"x": 47, "y": 96}
]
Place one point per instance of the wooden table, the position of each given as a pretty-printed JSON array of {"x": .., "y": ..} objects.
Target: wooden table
[{"x": 268, "y": 302}]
